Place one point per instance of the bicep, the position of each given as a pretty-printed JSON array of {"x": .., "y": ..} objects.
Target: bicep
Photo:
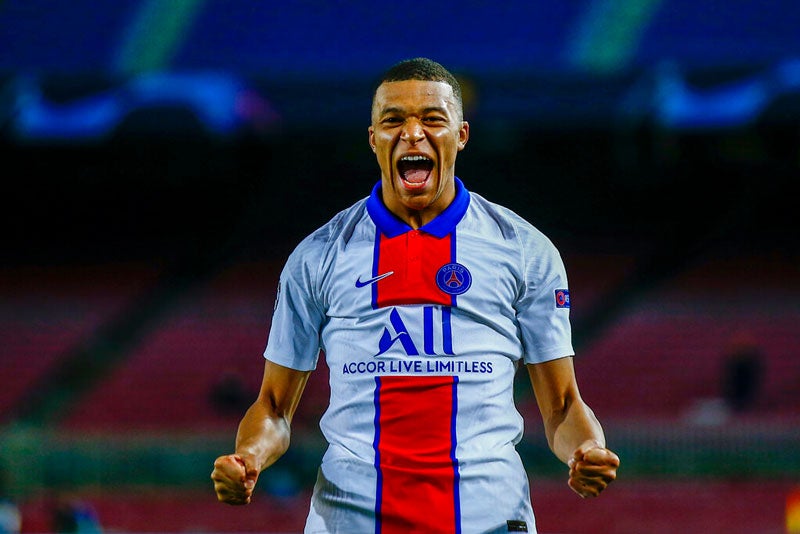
[
  {"x": 281, "y": 389},
  {"x": 554, "y": 385}
]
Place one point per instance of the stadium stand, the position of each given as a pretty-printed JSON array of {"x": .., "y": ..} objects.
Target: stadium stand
[
  {"x": 167, "y": 379},
  {"x": 655, "y": 507},
  {"x": 667, "y": 352},
  {"x": 49, "y": 311}
]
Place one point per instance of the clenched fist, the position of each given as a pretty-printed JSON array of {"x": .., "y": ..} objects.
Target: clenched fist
[
  {"x": 235, "y": 478},
  {"x": 591, "y": 469}
]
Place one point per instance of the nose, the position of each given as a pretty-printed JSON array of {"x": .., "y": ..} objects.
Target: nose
[{"x": 412, "y": 132}]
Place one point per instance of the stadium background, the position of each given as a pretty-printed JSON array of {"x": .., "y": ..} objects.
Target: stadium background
[{"x": 160, "y": 160}]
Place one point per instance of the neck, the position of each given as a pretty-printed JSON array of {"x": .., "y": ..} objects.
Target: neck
[
  {"x": 416, "y": 211},
  {"x": 417, "y": 219}
]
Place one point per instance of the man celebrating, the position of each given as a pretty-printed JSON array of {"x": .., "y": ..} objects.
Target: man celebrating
[{"x": 425, "y": 299}]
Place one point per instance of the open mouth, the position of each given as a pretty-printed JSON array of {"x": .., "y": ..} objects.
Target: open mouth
[{"x": 415, "y": 170}]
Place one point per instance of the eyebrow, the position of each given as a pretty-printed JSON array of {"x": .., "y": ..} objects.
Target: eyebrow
[
  {"x": 395, "y": 109},
  {"x": 386, "y": 111}
]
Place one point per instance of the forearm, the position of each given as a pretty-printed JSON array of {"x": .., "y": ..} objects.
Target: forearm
[
  {"x": 573, "y": 432},
  {"x": 263, "y": 434},
  {"x": 568, "y": 428}
]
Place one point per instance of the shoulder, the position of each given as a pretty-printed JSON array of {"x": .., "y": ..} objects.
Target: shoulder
[
  {"x": 317, "y": 245},
  {"x": 508, "y": 225}
]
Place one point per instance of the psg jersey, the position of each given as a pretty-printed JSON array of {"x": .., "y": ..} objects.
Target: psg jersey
[{"x": 423, "y": 331}]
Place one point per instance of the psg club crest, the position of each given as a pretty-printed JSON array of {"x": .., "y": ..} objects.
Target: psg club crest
[{"x": 453, "y": 278}]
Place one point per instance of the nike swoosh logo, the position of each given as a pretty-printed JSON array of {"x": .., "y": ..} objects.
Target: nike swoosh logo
[{"x": 370, "y": 281}]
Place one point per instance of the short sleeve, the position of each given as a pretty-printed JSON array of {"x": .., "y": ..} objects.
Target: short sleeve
[
  {"x": 543, "y": 305},
  {"x": 294, "y": 337}
]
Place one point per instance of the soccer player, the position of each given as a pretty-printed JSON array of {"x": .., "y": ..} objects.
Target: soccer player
[{"x": 424, "y": 298}]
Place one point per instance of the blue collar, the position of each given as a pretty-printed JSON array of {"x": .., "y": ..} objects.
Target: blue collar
[{"x": 444, "y": 223}]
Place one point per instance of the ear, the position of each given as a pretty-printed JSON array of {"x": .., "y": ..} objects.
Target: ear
[
  {"x": 371, "y": 138},
  {"x": 463, "y": 135}
]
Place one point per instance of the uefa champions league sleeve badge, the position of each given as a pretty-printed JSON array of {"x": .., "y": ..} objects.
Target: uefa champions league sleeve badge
[{"x": 562, "y": 298}]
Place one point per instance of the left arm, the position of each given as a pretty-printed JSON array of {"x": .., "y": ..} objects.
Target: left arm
[{"x": 573, "y": 432}]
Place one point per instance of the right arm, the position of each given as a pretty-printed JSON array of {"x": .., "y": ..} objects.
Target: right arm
[{"x": 263, "y": 434}]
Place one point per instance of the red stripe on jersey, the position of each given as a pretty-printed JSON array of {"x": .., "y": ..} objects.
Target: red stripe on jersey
[
  {"x": 414, "y": 257},
  {"x": 418, "y": 478}
]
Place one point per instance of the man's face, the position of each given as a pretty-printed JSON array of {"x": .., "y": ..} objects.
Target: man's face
[{"x": 416, "y": 133}]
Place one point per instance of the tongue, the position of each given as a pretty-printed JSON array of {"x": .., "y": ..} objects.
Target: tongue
[{"x": 416, "y": 176}]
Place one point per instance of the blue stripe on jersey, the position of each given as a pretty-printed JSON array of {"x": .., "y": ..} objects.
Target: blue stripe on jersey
[
  {"x": 456, "y": 476},
  {"x": 416, "y": 488},
  {"x": 453, "y": 259},
  {"x": 375, "y": 254},
  {"x": 375, "y": 442}
]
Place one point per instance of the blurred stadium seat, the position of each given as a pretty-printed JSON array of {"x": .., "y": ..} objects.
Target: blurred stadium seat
[{"x": 49, "y": 311}]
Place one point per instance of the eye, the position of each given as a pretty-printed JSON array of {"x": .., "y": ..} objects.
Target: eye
[
  {"x": 434, "y": 119},
  {"x": 391, "y": 120}
]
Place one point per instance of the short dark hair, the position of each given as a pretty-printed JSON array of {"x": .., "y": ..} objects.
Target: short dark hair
[{"x": 424, "y": 69}]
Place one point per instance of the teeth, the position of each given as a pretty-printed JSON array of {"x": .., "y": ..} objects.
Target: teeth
[{"x": 415, "y": 158}]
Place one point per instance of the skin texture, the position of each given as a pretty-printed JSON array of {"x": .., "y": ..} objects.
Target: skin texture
[
  {"x": 414, "y": 117},
  {"x": 263, "y": 434},
  {"x": 573, "y": 432}
]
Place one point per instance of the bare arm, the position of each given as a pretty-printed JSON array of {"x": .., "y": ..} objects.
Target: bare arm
[
  {"x": 573, "y": 432},
  {"x": 263, "y": 435}
]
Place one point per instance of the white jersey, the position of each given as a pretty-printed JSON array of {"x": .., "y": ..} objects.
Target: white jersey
[{"x": 422, "y": 331}]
